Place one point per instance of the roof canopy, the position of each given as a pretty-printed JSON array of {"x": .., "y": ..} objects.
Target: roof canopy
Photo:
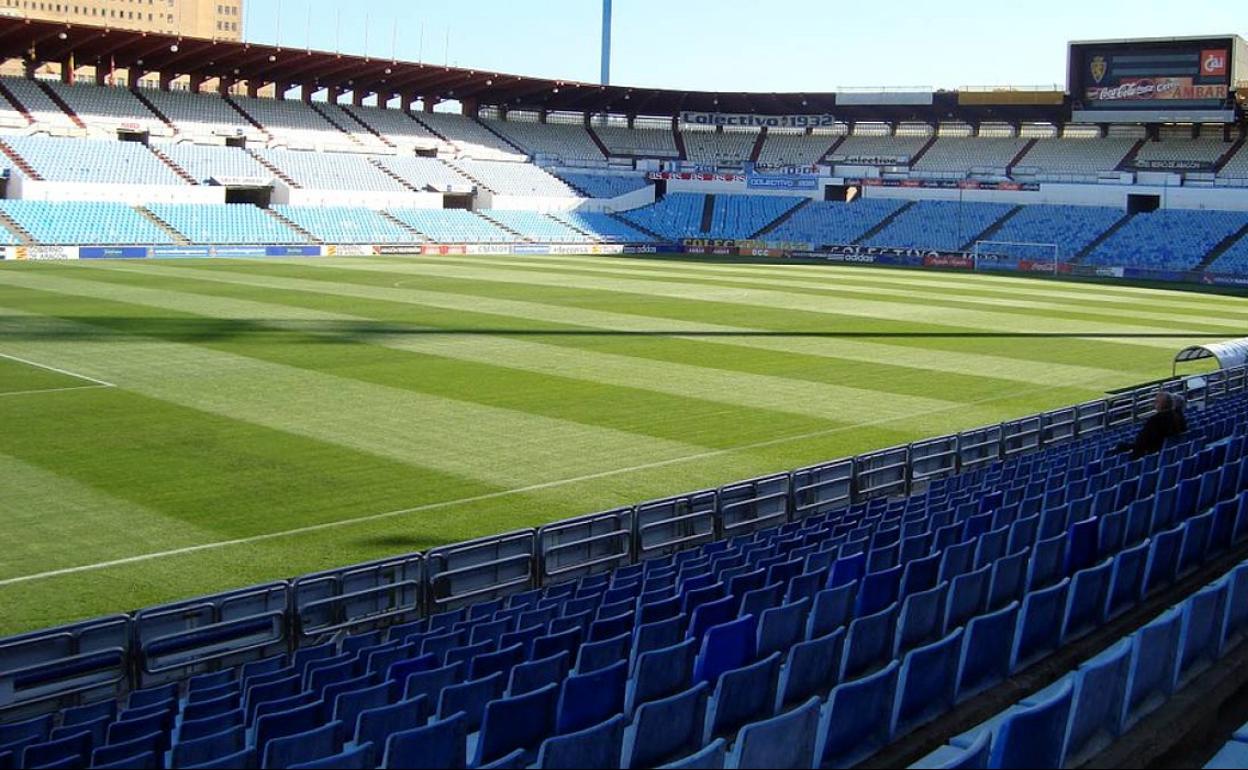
[
  {"x": 39, "y": 42},
  {"x": 1230, "y": 354}
]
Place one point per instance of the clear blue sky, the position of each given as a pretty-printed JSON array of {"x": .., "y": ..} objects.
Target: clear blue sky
[{"x": 743, "y": 45}]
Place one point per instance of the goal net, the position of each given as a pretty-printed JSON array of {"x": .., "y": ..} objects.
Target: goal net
[{"x": 1017, "y": 257}]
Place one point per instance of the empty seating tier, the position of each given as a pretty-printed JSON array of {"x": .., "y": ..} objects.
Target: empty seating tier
[
  {"x": 676, "y": 216},
  {"x": 400, "y": 128},
  {"x": 470, "y": 138},
  {"x": 1167, "y": 239},
  {"x": 740, "y": 217},
  {"x": 785, "y": 149},
  {"x": 947, "y": 225},
  {"x": 559, "y": 141},
  {"x": 451, "y": 226},
  {"x": 94, "y": 162},
  {"x": 603, "y": 227},
  {"x": 332, "y": 171},
  {"x": 207, "y": 162},
  {"x": 426, "y": 173},
  {"x": 74, "y": 224},
  {"x": 714, "y": 148},
  {"x": 200, "y": 114},
  {"x": 533, "y": 226},
  {"x": 344, "y": 224},
  {"x": 597, "y": 185},
  {"x": 104, "y": 106},
  {"x": 638, "y": 142},
  {"x": 827, "y": 223},
  {"x": 1070, "y": 229},
  {"x": 520, "y": 179},
  {"x": 224, "y": 224},
  {"x": 42, "y": 109}
]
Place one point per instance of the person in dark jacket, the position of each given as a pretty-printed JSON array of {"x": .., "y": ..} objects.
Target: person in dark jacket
[{"x": 1169, "y": 421}]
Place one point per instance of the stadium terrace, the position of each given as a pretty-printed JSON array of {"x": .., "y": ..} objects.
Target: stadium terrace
[{"x": 390, "y": 337}]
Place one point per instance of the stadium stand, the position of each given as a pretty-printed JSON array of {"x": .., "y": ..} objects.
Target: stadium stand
[
  {"x": 870, "y": 150},
  {"x": 345, "y": 224},
  {"x": 1071, "y": 229},
  {"x": 299, "y": 125},
  {"x": 200, "y": 115},
  {"x": 93, "y": 161},
  {"x": 603, "y": 227},
  {"x": 974, "y": 156},
  {"x": 602, "y": 185},
  {"x": 536, "y": 227},
  {"x": 451, "y": 226},
  {"x": 520, "y": 179},
  {"x": 1168, "y": 239},
  {"x": 637, "y": 142},
  {"x": 331, "y": 171},
  {"x": 396, "y": 126},
  {"x": 743, "y": 216},
  {"x": 1080, "y": 158},
  {"x": 83, "y": 223},
  {"x": 1233, "y": 261},
  {"x": 785, "y": 148},
  {"x": 827, "y": 223},
  {"x": 560, "y": 142},
  {"x": 224, "y": 224},
  {"x": 105, "y": 107},
  {"x": 948, "y": 225},
  {"x": 1236, "y": 167},
  {"x": 45, "y": 112},
  {"x": 676, "y": 216},
  {"x": 206, "y": 162},
  {"x": 425, "y": 173},
  {"x": 719, "y": 148},
  {"x": 1199, "y": 151},
  {"x": 796, "y": 643},
  {"x": 470, "y": 138}
]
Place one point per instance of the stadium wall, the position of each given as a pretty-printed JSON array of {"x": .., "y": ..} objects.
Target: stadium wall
[{"x": 24, "y": 188}]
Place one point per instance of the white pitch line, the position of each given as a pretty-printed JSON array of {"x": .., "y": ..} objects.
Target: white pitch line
[
  {"x": 65, "y": 372},
  {"x": 53, "y": 390},
  {"x": 500, "y": 494}
]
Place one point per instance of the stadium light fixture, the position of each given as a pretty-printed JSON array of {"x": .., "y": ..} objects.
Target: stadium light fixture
[{"x": 63, "y": 36}]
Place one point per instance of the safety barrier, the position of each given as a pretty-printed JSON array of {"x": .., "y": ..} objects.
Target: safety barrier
[{"x": 48, "y": 669}]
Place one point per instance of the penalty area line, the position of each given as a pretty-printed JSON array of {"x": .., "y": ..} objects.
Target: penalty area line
[{"x": 66, "y": 372}]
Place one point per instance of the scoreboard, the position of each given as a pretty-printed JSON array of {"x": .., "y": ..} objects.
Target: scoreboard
[{"x": 1170, "y": 75}]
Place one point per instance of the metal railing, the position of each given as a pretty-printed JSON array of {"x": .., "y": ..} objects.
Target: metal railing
[{"x": 47, "y": 669}]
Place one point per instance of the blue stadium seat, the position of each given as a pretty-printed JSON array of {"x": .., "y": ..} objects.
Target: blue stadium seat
[
  {"x": 787, "y": 741},
  {"x": 1099, "y": 694},
  {"x": 536, "y": 674},
  {"x": 666, "y": 730},
  {"x": 726, "y": 647},
  {"x": 1154, "y": 656},
  {"x": 813, "y": 669},
  {"x": 713, "y": 757},
  {"x": 590, "y": 699},
  {"x": 375, "y": 726},
  {"x": 1034, "y": 736},
  {"x": 1200, "y": 633},
  {"x": 660, "y": 674},
  {"x": 210, "y": 748},
  {"x": 782, "y": 627},
  {"x": 441, "y": 744},
  {"x": 1040, "y": 624},
  {"x": 1126, "y": 583},
  {"x": 922, "y": 619},
  {"x": 741, "y": 696},
  {"x": 927, "y": 683},
  {"x": 869, "y": 644},
  {"x": 517, "y": 724},
  {"x": 833, "y": 609},
  {"x": 968, "y": 595},
  {"x": 471, "y": 698},
  {"x": 299, "y": 748},
  {"x": 359, "y": 758},
  {"x": 595, "y": 748},
  {"x": 987, "y": 652},
  {"x": 1086, "y": 601},
  {"x": 857, "y": 719}
]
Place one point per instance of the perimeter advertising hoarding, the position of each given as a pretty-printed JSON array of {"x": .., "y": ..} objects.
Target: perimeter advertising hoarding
[{"x": 1152, "y": 74}]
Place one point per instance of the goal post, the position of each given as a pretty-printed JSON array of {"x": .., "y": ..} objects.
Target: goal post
[{"x": 1015, "y": 256}]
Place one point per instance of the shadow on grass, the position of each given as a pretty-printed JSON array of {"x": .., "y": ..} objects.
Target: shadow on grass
[{"x": 202, "y": 330}]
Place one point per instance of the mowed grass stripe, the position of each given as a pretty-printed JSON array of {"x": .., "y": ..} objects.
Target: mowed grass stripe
[
  {"x": 489, "y": 444},
  {"x": 52, "y": 519},
  {"x": 668, "y": 375},
  {"x": 876, "y": 310},
  {"x": 17, "y": 378},
  {"x": 689, "y": 407},
  {"x": 805, "y": 334},
  {"x": 1093, "y": 295},
  {"x": 1035, "y": 341},
  {"x": 971, "y": 300}
]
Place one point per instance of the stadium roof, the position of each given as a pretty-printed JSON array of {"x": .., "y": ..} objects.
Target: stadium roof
[{"x": 171, "y": 55}]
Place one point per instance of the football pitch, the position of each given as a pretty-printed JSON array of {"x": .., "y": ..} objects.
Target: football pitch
[{"x": 173, "y": 429}]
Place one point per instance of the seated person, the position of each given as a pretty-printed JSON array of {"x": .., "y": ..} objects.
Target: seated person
[{"x": 1169, "y": 421}]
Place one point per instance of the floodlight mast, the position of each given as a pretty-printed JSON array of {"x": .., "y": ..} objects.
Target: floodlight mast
[{"x": 606, "y": 42}]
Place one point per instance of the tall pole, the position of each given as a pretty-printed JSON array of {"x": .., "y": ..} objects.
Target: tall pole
[{"x": 606, "y": 42}]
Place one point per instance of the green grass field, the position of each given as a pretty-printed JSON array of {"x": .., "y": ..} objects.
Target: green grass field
[{"x": 178, "y": 428}]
